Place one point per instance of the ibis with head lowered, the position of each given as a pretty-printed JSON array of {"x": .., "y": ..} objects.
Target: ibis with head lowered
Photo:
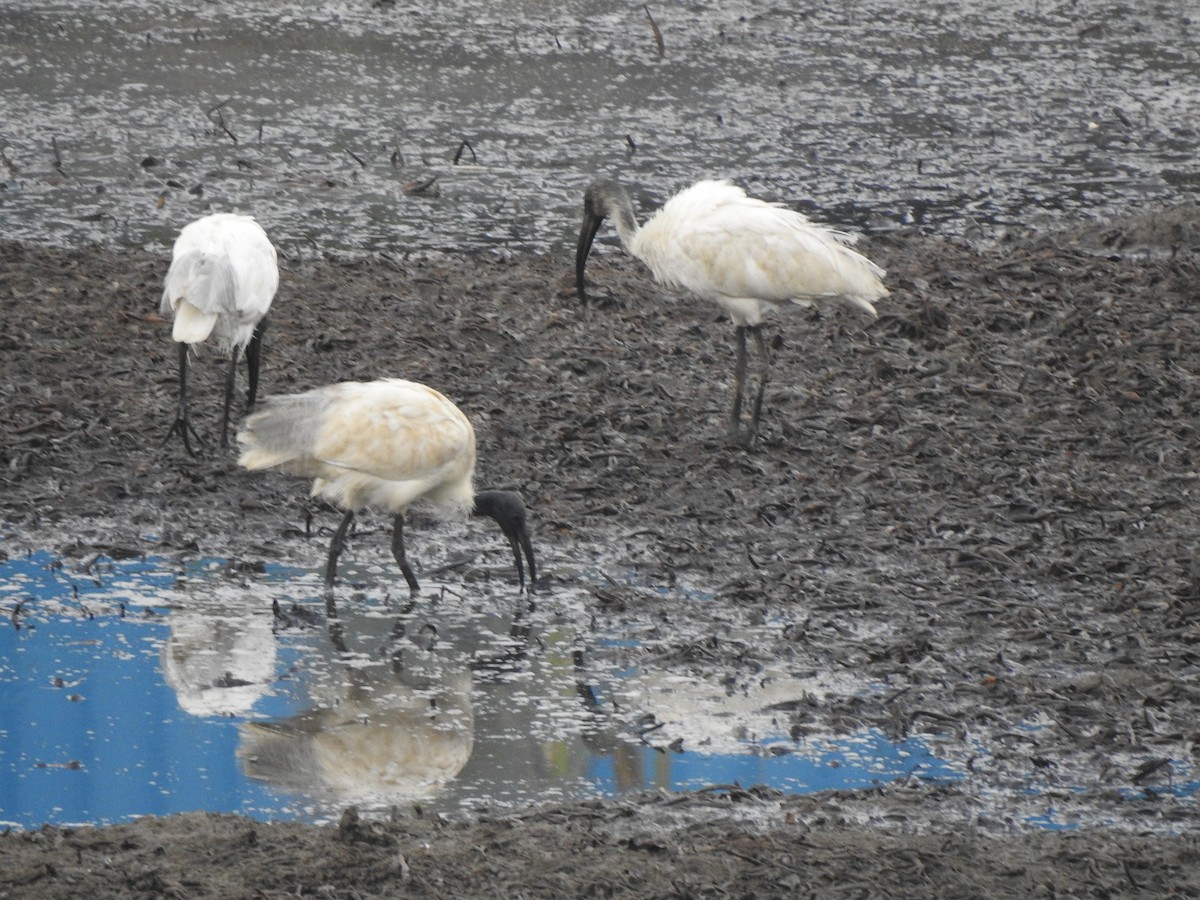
[
  {"x": 746, "y": 255},
  {"x": 387, "y": 443},
  {"x": 220, "y": 285}
]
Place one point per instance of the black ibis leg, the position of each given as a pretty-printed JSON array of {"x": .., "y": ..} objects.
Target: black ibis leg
[
  {"x": 230, "y": 377},
  {"x": 739, "y": 382},
  {"x": 398, "y": 552},
  {"x": 183, "y": 424},
  {"x": 253, "y": 355},
  {"x": 764, "y": 361},
  {"x": 335, "y": 549}
]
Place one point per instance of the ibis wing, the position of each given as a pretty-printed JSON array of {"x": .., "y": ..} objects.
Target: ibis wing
[
  {"x": 768, "y": 253},
  {"x": 393, "y": 431},
  {"x": 720, "y": 244},
  {"x": 254, "y": 259},
  {"x": 390, "y": 430}
]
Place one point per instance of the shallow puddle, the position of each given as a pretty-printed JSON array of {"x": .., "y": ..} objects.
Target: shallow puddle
[{"x": 144, "y": 686}]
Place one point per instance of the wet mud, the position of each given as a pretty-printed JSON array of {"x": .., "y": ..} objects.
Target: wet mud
[
  {"x": 981, "y": 506},
  {"x": 648, "y": 846}
]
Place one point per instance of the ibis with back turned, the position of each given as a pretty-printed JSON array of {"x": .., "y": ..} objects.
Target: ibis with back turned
[{"x": 222, "y": 280}]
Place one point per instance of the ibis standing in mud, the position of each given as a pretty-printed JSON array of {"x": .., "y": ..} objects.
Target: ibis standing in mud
[
  {"x": 745, "y": 255},
  {"x": 382, "y": 443},
  {"x": 221, "y": 282}
]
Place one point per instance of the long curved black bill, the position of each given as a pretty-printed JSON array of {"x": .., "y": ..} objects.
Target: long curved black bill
[
  {"x": 587, "y": 234},
  {"x": 507, "y": 509},
  {"x": 518, "y": 539}
]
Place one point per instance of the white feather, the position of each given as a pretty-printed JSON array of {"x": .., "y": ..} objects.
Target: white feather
[
  {"x": 223, "y": 277},
  {"x": 743, "y": 254},
  {"x": 749, "y": 256},
  {"x": 381, "y": 443}
]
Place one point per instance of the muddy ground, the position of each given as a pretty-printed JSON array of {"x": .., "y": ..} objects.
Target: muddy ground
[{"x": 984, "y": 502}]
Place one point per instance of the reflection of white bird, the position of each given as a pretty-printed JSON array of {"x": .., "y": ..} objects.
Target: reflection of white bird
[
  {"x": 218, "y": 664},
  {"x": 382, "y": 443},
  {"x": 744, "y": 254},
  {"x": 392, "y": 739},
  {"x": 222, "y": 280}
]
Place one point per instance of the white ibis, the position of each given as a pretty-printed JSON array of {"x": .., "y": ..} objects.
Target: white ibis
[
  {"x": 382, "y": 443},
  {"x": 221, "y": 282},
  {"x": 745, "y": 255}
]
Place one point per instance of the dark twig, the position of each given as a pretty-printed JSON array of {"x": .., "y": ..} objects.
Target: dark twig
[
  {"x": 658, "y": 38},
  {"x": 465, "y": 145},
  {"x": 1146, "y": 769},
  {"x": 58, "y": 163},
  {"x": 420, "y": 187},
  {"x": 224, "y": 127},
  {"x": 221, "y": 118}
]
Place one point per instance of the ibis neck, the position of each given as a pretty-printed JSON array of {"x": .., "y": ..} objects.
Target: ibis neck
[{"x": 624, "y": 221}]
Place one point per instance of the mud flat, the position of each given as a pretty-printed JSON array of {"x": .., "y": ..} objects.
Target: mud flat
[{"x": 983, "y": 503}]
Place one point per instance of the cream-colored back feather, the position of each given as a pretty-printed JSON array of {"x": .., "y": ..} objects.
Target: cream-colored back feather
[{"x": 383, "y": 443}]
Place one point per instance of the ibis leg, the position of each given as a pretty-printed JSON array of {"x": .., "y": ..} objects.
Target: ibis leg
[
  {"x": 335, "y": 549},
  {"x": 253, "y": 355},
  {"x": 182, "y": 424},
  {"x": 398, "y": 552},
  {"x": 764, "y": 362},
  {"x": 739, "y": 381},
  {"x": 230, "y": 377}
]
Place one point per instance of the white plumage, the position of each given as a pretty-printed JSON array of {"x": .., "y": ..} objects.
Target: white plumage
[
  {"x": 386, "y": 443},
  {"x": 222, "y": 280},
  {"x": 743, "y": 254}
]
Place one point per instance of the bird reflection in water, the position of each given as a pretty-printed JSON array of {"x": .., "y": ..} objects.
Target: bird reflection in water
[
  {"x": 395, "y": 730},
  {"x": 218, "y": 664}
]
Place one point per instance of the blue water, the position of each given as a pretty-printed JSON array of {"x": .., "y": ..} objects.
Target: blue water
[
  {"x": 136, "y": 751},
  {"x": 108, "y": 710},
  {"x": 867, "y": 760}
]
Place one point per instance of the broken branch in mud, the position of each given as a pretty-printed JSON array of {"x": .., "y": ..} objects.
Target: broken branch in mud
[
  {"x": 58, "y": 160},
  {"x": 465, "y": 145},
  {"x": 658, "y": 38},
  {"x": 220, "y": 120},
  {"x": 424, "y": 186}
]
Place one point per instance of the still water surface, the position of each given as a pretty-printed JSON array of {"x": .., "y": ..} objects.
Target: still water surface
[{"x": 146, "y": 687}]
